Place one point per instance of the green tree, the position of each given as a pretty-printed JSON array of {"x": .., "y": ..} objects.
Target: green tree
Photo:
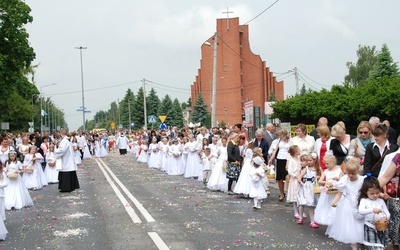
[
  {"x": 124, "y": 108},
  {"x": 165, "y": 108},
  {"x": 359, "y": 71},
  {"x": 199, "y": 110},
  {"x": 271, "y": 97},
  {"x": 303, "y": 89},
  {"x": 113, "y": 112},
  {"x": 384, "y": 66},
  {"x": 177, "y": 115},
  {"x": 345, "y": 103},
  {"x": 152, "y": 103},
  {"x": 186, "y": 104},
  {"x": 16, "y": 56}
]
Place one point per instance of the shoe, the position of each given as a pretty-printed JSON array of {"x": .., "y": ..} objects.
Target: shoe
[
  {"x": 254, "y": 208},
  {"x": 297, "y": 216},
  {"x": 304, "y": 215},
  {"x": 314, "y": 225},
  {"x": 299, "y": 221},
  {"x": 258, "y": 207},
  {"x": 281, "y": 197},
  {"x": 230, "y": 193}
]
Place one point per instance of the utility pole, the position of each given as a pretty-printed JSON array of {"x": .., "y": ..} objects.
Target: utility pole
[
  {"x": 129, "y": 112},
  {"x": 119, "y": 114},
  {"x": 83, "y": 90},
  {"x": 144, "y": 104}
]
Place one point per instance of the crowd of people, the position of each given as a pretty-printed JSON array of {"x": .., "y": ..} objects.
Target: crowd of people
[
  {"x": 340, "y": 178},
  {"x": 32, "y": 162},
  {"x": 347, "y": 183}
]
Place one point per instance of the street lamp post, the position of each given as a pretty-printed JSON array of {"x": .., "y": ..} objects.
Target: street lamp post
[
  {"x": 41, "y": 105},
  {"x": 83, "y": 90},
  {"x": 214, "y": 84}
]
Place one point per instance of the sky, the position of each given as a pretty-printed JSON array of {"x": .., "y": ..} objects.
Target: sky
[{"x": 160, "y": 41}]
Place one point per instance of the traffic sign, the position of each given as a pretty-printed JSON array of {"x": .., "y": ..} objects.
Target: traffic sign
[
  {"x": 120, "y": 126},
  {"x": 162, "y": 117},
  {"x": 163, "y": 126},
  {"x": 113, "y": 125},
  {"x": 151, "y": 119},
  {"x": 30, "y": 124},
  {"x": 31, "y": 130}
]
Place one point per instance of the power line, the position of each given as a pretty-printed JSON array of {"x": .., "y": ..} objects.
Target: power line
[
  {"x": 312, "y": 79},
  {"x": 95, "y": 89},
  {"x": 169, "y": 90},
  {"x": 308, "y": 83},
  {"x": 262, "y": 12},
  {"x": 168, "y": 86},
  {"x": 285, "y": 77}
]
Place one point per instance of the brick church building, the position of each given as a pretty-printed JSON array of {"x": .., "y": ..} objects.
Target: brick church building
[{"x": 241, "y": 75}]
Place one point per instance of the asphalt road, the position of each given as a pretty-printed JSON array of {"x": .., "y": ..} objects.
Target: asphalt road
[{"x": 124, "y": 205}]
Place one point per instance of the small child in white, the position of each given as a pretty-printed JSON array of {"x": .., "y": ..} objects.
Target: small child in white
[
  {"x": 208, "y": 161},
  {"x": 374, "y": 209},
  {"x": 257, "y": 191},
  {"x": 3, "y": 184}
]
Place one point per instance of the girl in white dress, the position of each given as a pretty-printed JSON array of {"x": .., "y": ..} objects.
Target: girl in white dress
[
  {"x": 164, "y": 156},
  {"x": 348, "y": 226},
  {"x": 257, "y": 190},
  {"x": 3, "y": 184},
  {"x": 374, "y": 209},
  {"x": 99, "y": 151},
  {"x": 17, "y": 195},
  {"x": 175, "y": 162},
  {"x": 86, "y": 151},
  {"x": 193, "y": 164},
  {"x": 293, "y": 167},
  {"x": 305, "y": 196},
  {"x": 244, "y": 182},
  {"x": 77, "y": 154},
  {"x": 50, "y": 171},
  {"x": 218, "y": 180},
  {"x": 33, "y": 172},
  {"x": 324, "y": 212},
  {"x": 154, "y": 155},
  {"x": 142, "y": 153},
  {"x": 185, "y": 151}
]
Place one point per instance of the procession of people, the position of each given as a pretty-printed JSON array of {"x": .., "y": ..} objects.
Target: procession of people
[{"x": 328, "y": 175}]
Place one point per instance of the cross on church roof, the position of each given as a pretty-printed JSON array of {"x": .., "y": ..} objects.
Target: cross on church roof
[{"x": 227, "y": 12}]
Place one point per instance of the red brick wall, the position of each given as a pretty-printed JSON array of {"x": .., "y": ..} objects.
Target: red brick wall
[{"x": 241, "y": 74}]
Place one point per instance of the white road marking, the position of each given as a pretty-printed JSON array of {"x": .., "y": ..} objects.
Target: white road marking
[
  {"x": 135, "y": 218},
  {"x": 158, "y": 241},
  {"x": 139, "y": 206}
]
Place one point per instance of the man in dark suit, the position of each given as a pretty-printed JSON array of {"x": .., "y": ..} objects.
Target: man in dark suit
[
  {"x": 262, "y": 143},
  {"x": 269, "y": 134}
]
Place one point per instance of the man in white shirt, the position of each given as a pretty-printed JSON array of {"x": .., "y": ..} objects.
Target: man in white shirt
[
  {"x": 68, "y": 180},
  {"x": 122, "y": 144},
  {"x": 81, "y": 139}
]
